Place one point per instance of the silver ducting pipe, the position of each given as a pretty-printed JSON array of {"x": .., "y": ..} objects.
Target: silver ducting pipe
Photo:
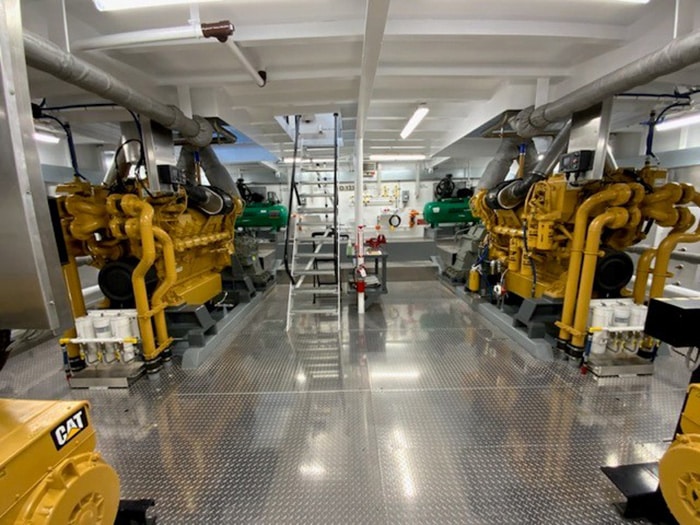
[
  {"x": 216, "y": 173},
  {"x": 508, "y": 151},
  {"x": 676, "y": 55},
  {"x": 556, "y": 148},
  {"x": 511, "y": 195},
  {"x": 45, "y": 56}
]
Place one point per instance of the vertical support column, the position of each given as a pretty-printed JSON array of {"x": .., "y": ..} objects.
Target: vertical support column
[
  {"x": 542, "y": 91},
  {"x": 683, "y": 17},
  {"x": 359, "y": 224},
  {"x": 184, "y": 100},
  {"x": 58, "y": 28},
  {"x": 33, "y": 291}
]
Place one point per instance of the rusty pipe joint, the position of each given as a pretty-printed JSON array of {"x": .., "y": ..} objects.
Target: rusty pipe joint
[{"x": 220, "y": 30}]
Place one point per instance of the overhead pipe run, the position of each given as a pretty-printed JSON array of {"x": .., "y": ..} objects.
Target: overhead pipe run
[
  {"x": 676, "y": 55},
  {"x": 260, "y": 77},
  {"x": 220, "y": 30},
  {"x": 46, "y": 56}
]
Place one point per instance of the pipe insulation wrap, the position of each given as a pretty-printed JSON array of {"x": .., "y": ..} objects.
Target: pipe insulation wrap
[
  {"x": 508, "y": 151},
  {"x": 676, "y": 55},
  {"x": 45, "y": 56},
  {"x": 216, "y": 172}
]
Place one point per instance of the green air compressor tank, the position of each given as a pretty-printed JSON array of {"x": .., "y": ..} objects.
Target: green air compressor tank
[
  {"x": 263, "y": 215},
  {"x": 448, "y": 211}
]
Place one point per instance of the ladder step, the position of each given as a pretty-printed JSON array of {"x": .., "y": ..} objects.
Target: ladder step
[
  {"x": 316, "y": 182},
  {"x": 305, "y": 241},
  {"x": 311, "y": 224},
  {"x": 315, "y": 291},
  {"x": 309, "y": 209},
  {"x": 323, "y": 311},
  {"x": 315, "y": 272},
  {"x": 312, "y": 195},
  {"x": 321, "y": 257}
]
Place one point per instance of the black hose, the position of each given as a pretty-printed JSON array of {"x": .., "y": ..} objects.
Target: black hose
[
  {"x": 79, "y": 106},
  {"x": 395, "y": 221},
  {"x": 654, "y": 119},
  {"x": 297, "y": 121},
  {"x": 5, "y": 340},
  {"x": 511, "y": 194},
  {"x": 71, "y": 143}
]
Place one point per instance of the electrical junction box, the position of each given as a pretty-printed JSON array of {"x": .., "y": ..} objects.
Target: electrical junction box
[
  {"x": 674, "y": 320},
  {"x": 405, "y": 196},
  {"x": 168, "y": 174},
  {"x": 577, "y": 161}
]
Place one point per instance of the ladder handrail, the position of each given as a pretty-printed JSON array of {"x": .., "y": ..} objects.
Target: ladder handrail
[{"x": 292, "y": 191}]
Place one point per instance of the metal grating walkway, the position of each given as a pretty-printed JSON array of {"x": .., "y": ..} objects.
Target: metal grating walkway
[{"x": 420, "y": 413}]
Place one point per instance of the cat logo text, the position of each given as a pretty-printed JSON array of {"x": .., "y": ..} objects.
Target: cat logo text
[{"x": 71, "y": 427}]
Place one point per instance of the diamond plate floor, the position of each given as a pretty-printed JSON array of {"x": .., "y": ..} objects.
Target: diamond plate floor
[{"x": 419, "y": 412}]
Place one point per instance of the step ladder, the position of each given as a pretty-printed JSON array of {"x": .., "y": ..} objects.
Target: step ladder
[{"x": 312, "y": 251}]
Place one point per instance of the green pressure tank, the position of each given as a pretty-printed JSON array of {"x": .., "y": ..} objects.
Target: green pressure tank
[
  {"x": 448, "y": 211},
  {"x": 263, "y": 215}
]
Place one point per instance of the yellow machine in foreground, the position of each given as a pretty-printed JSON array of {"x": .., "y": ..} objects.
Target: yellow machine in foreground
[
  {"x": 679, "y": 468},
  {"x": 50, "y": 473},
  {"x": 567, "y": 242}
]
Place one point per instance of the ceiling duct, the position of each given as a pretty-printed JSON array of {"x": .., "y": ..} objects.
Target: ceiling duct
[
  {"x": 46, "y": 56},
  {"x": 676, "y": 55}
]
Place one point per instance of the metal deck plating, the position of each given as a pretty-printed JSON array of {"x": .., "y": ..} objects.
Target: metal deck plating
[{"x": 422, "y": 412}]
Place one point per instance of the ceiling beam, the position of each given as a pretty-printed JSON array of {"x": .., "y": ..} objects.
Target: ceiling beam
[
  {"x": 499, "y": 28},
  {"x": 417, "y": 70},
  {"x": 427, "y": 70},
  {"x": 351, "y": 30},
  {"x": 337, "y": 30},
  {"x": 375, "y": 23},
  {"x": 217, "y": 79},
  {"x": 308, "y": 99}
]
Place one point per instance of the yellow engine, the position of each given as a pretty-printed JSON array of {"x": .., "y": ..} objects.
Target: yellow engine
[
  {"x": 547, "y": 237},
  {"x": 153, "y": 252},
  {"x": 49, "y": 470}
]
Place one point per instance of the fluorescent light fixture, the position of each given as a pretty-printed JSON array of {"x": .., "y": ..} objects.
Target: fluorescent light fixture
[
  {"x": 413, "y": 122},
  {"x": 119, "y": 5},
  {"x": 634, "y": 1},
  {"x": 674, "y": 123},
  {"x": 396, "y": 158},
  {"x": 48, "y": 138}
]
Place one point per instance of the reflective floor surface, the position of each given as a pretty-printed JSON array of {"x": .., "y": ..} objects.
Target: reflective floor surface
[{"x": 421, "y": 412}]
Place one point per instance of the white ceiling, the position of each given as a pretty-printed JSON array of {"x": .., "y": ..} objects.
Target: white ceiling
[{"x": 468, "y": 60}]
